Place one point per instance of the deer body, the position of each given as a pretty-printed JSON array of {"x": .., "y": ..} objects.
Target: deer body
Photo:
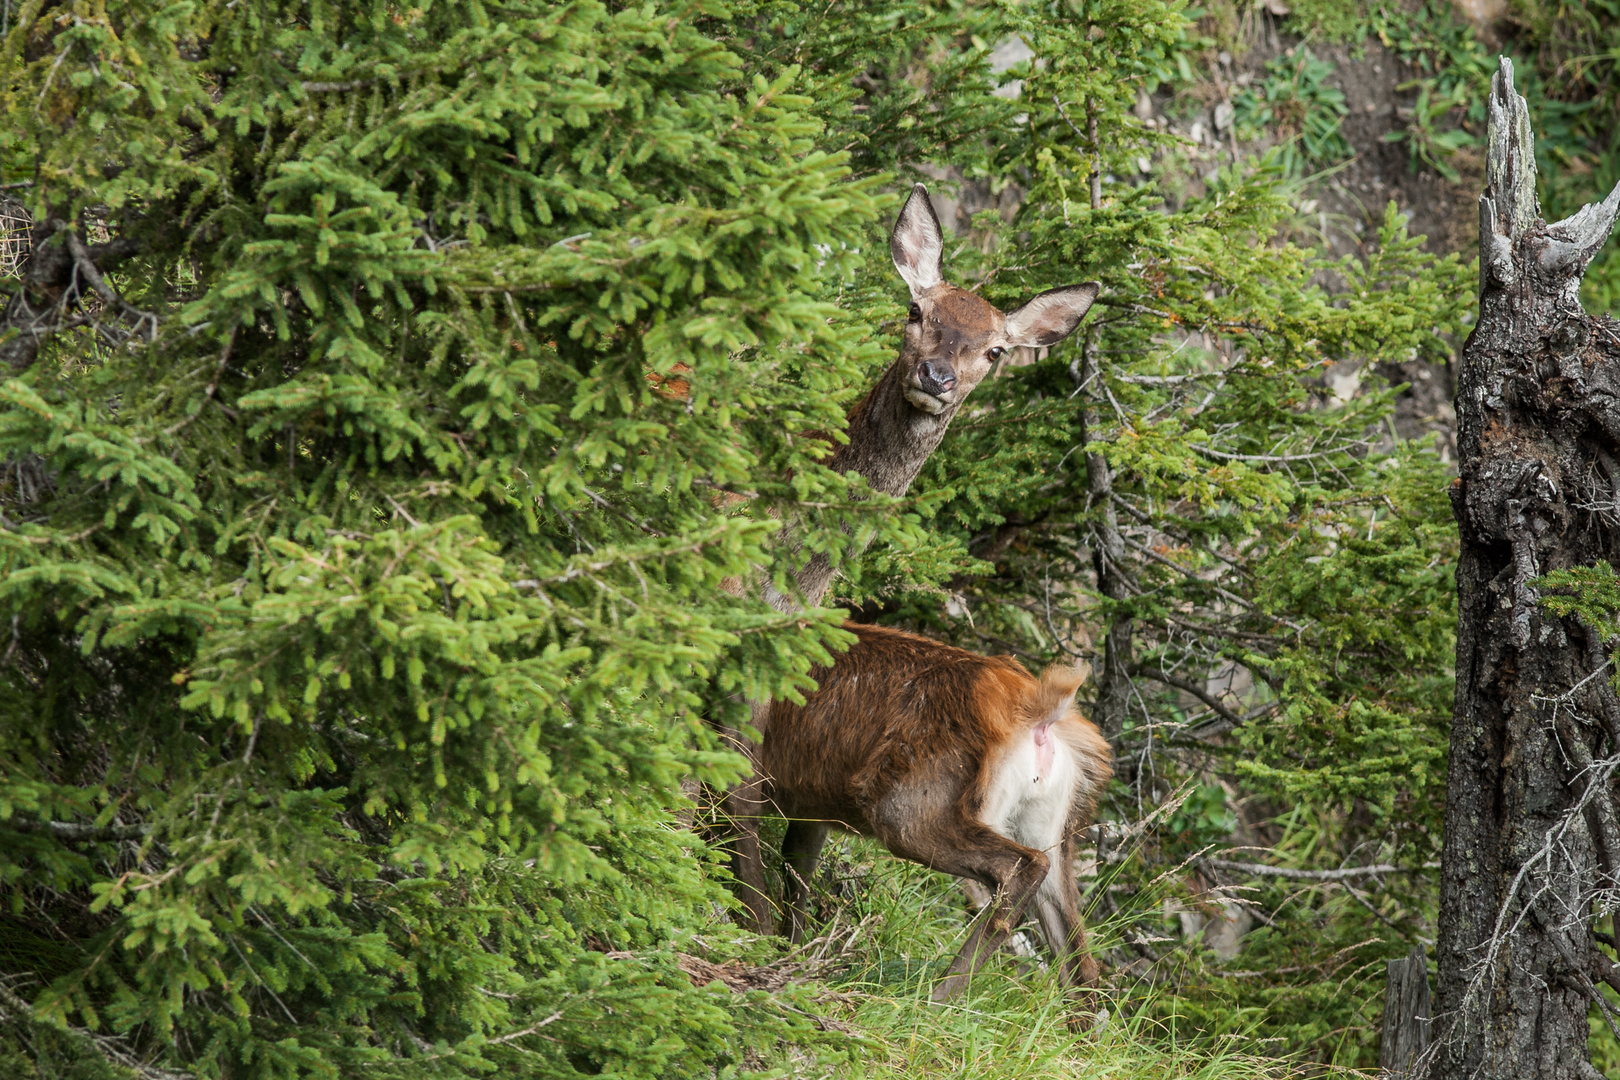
[
  {"x": 953, "y": 339},
  {"x": 963, "y": 763}
]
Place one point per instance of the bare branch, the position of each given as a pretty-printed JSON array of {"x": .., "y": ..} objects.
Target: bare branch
[
  {"x": 72, "y": 830},
  {"x": 1607, "y": 828},
  {"x": 1224, "y": 456},
  {"x": 86, "y": 267},
  {"x": 1166, "y": 380},
  {"x": 1216, "y": 589},
  {"x": 1209, "y": 729},
  {"x": 1607, "y": 970},
  {"x": 213, "y": 385},
  {"x": 1348, "y": 873},
  {"x": 1187, "y": 686}
]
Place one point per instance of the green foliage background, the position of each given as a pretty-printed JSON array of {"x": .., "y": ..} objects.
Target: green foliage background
[{"x": 363, "y": 569}]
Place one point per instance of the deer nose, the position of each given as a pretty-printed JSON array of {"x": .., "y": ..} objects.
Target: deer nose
[{"x": 936, "y": 377}]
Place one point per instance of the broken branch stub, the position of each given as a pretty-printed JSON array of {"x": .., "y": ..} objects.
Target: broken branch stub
[
  {"x": 1509, "y": 210},
  {"x": 1510, "y": 161},
  {"x": 1403, "y": 1047}
]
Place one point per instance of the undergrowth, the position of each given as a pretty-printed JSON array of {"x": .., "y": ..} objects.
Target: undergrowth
[
  {"x": 894, "y": 926},
  {"x": 1566, "y": 62}
]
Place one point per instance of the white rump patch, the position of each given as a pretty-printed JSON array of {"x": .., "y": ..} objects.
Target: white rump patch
[
  {"x": 1031, "y": 790},
  {"x": 1030, "y": 794}
]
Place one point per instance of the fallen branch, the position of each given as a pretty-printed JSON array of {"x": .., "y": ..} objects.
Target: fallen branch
[{"x": 1346, "y": 874}]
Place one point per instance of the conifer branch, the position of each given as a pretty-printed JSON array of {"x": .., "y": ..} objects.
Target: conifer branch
[{"x": 109, "y": 1048}]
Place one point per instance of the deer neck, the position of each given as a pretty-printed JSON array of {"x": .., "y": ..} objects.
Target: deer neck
[{"x": 889, "y": 439}]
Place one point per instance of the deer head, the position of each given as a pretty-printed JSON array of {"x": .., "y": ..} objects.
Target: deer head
[{"x": 953, "y": 336}]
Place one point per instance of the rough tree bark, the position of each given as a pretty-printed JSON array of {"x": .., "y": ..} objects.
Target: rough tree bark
[
  {"x": 1529, "y": 819},
  {"x": 1407, "y": 1012}
]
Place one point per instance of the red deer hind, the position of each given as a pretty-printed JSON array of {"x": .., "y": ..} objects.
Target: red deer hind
[
  {"x": 963, "y": 763},
  {"x": 953, "y": 338}
]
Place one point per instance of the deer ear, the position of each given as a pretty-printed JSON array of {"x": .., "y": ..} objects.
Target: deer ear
[
  {"x": 1051, "y": 316},
  {"x": 917, "y": 244}
]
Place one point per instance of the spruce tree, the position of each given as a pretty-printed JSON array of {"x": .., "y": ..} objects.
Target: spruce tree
[{"x": 362, "y": 568}]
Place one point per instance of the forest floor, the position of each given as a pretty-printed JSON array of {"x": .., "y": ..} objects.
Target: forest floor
[{"x": 885, "y": 940}]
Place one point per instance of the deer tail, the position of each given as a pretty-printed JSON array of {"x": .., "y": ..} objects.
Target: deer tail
[
  {"x": 1052, "y": 697},
  {"x": 1049, "y": 705}
]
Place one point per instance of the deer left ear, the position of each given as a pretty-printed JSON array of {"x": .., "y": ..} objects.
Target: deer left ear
[{"x": 1051, "y": 316}]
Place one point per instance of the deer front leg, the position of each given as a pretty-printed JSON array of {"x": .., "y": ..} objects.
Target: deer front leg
[
  {"x": 742, "y": 808},
  {"x": 801, "y": 850},
  {"x": 968, "y": 849},
  {"x": 1013, "y": 893}
]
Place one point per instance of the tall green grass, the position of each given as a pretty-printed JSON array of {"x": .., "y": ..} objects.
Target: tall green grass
[{"x": 896, "y": 926}]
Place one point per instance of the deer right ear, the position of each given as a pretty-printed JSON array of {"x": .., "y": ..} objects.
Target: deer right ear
[
  {"x": 1051, "y": 316},
  {"x": 917, "y": 243}
]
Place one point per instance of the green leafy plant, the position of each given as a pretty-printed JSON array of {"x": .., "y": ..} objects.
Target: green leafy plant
[
  {"x": 1429, "y": 144},
  {"x": 1588, "y": 593},
  {"x": 1295, "y": 104},
  {"x": 364, "y": 592}
]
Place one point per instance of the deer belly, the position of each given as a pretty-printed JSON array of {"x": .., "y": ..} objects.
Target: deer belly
[{"x": 1031, "y": 790}]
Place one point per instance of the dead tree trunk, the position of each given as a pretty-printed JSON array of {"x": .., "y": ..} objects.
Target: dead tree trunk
[{"x": 1529, "y": 809}]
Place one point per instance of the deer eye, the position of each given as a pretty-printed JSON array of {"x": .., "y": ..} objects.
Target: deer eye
[
  {"x": 995, "y": 353},
  {"x": 916, "y": 312}
]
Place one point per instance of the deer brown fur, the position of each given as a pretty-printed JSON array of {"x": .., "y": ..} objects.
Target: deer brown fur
[
  {"x": 941, "y": 754},
  {"x": 953, "y": 339}
]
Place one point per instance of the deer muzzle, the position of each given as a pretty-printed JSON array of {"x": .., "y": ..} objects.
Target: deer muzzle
[{"x": 932, "y": 386}]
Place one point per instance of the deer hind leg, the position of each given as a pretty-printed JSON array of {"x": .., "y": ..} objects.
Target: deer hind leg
[
  {"x": 1014, "y": 872},
  {"x": 801, "y": 850},
  {"x": 1058, "y": 905}
]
